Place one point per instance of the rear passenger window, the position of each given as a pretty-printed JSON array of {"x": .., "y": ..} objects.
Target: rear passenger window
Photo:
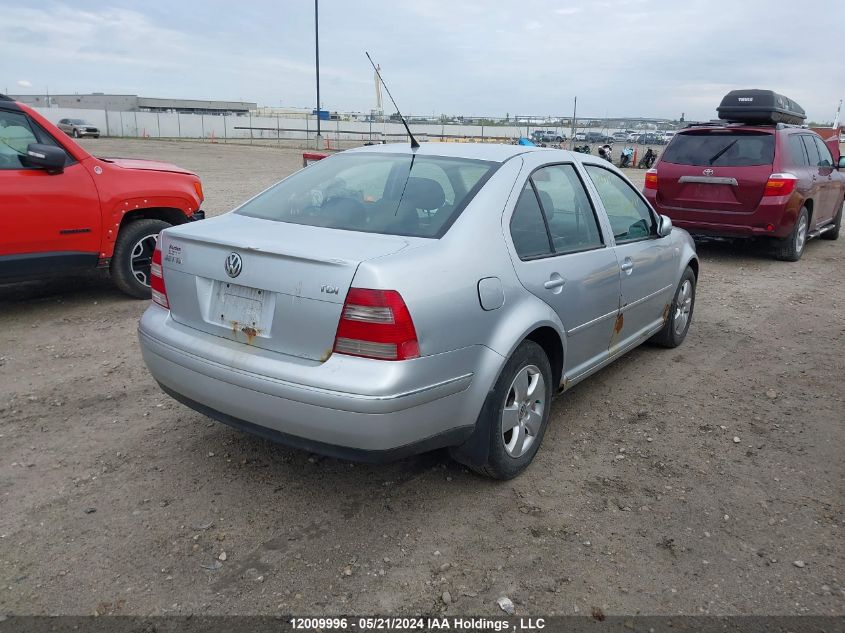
[
  {"x": 825, "y": 157},
  {"x": 630, "y": 217},
  {"x": 795, "y": 151},
  {"x": 572, "y": 222},
  {"x": 528, "y": 229},
  {"x": 812, "y": 150}
]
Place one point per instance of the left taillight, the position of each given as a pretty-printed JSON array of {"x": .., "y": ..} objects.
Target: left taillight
[
  {"x": 651, "y": 179},
  {"x": 376, "y": 324},
  {"x": 780, "y": 185},
  {"x": 157, "y": 278}
]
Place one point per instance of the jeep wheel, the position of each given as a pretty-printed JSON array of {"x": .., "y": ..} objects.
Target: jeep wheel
[
  {"x": 516, "y": 413},
  {"x": 837, "y": 223},
  {"x": 792, "y": 247},
  {"x": 133, "y": 253}
]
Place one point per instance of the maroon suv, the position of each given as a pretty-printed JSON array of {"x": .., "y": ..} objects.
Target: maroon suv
[{"x": 751, "y": 180}]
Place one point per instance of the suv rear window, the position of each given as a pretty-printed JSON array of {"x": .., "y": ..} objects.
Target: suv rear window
[
  {"x": 392, "y": 194},
  {"x": 721, "y": 148}
]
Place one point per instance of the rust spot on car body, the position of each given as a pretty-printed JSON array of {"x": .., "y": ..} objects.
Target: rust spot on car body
[
  {"x": 250, "y": 332},
  {"x": 620, "y": 322},
  {"x": 666, "y": 313},
  {"x": 617, "y": 329},
  {"x": 326, "y": 355}
]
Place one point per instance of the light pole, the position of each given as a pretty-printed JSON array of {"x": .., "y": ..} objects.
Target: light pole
[{"x": 319, "y": 138}]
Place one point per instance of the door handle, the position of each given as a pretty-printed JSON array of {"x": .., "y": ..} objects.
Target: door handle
[
  {"x": 627, "y": 265},
  {"x": 554, "y": 282}
]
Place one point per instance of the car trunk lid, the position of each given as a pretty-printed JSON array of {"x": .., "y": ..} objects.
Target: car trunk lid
[
  {"x": 721, "y": 170},
  {"x": 289, "y": 282}
]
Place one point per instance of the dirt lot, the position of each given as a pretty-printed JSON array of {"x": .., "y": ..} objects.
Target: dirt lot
[{"x": 705, "y": 479}]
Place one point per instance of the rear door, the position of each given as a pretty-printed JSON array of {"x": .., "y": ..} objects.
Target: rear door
[
  {"x": 720, "y": 172},
  {"x": 562, "y": 257},
  {"x": 646, "y": 261},
  {"x": 830, "y": 192},
  {"x": 814, "y": 190}
]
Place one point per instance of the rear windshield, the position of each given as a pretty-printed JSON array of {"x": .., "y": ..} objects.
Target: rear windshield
[
  {"x": 392, "y": 194},
  {"x": 724, "y": 148}
]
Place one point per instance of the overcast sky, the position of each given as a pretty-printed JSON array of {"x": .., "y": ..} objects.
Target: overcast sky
[{"x": 620, "y": 57}]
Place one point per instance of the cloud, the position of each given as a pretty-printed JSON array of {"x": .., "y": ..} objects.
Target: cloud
[
  {"x": 474, "y": 57},
  {"x": 24, "y": 83}
]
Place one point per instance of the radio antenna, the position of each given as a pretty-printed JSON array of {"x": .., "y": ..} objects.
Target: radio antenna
[{"x": 414, "y": 143}]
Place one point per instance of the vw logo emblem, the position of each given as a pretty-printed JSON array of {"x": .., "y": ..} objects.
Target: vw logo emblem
[
  {"x": 234, "y": 265},
  {"x": 707, "y": 172}
]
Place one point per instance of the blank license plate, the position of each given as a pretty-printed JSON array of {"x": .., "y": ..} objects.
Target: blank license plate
[{"x": 239, "y": 305}]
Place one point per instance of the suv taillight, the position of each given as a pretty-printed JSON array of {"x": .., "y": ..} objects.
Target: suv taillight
[
  {"x": 157, "y": 278},
  {"x": 651, "y": 179},
  {"x": 376, "y": 324},
  {"x": 780, "y": 185}
]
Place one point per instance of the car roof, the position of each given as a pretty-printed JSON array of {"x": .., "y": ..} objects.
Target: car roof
[{"x": 494, "y": 152}]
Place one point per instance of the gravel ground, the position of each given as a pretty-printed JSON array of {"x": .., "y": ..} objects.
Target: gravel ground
[{"x": 704, "y": 479}]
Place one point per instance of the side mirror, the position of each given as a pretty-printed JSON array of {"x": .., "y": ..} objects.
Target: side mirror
[
  {"x": 664, "y": 226},
  {"x": 47, "y": 157},
  {"x": 841, "y": 163}
]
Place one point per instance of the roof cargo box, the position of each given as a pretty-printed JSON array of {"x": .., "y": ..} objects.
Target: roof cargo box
[{"x": 760, "y": 107}]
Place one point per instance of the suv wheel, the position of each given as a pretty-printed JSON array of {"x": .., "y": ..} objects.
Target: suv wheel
[
  {"x": 516, "y": 412},
  {"x": 680, "y": 312},
  {"x": 133, "y": 253},
  {"x": 837, "y": 222},
  {"x": 792, "y": 247},
  {"x": 75, "y": 133}
]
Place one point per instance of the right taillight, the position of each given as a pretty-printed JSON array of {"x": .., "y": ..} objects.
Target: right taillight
[
  {"x": 780, "y": 185},
  {"x": 376, "y": 324},
  {"x": 157, "y": 278},
  {"x": 651, "y": 179}
]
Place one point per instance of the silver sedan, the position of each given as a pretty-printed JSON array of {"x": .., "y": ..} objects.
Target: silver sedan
[{"x": 388, "y": 301}]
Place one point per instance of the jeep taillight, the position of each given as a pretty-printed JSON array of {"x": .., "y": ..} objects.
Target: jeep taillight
[
  {"x": 780, "y": 185},
  {"x": 376, "y": 324},
  {"x": 157, "y": 278},
  {"x": 651, "y": 179}
]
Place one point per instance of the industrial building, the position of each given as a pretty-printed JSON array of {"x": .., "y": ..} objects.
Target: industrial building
[{"x": 134, "y": 103}]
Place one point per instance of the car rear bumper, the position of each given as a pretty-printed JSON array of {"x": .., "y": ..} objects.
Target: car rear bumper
[
  {"x": 771, "y": 218},
  {"x": 347, "y": 407}
]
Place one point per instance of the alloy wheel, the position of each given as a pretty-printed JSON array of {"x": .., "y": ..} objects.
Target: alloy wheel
[
  {"x": 142, "y": 257},
  {"x": 522, "y": 415}
]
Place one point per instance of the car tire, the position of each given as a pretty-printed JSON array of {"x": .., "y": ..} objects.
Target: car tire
[
  {"x": 133, "y": 252},
  {"x": 522, "y": 397},
  {"x": 679, "y": 315},
  {"x": 837, "y": 223},
  {"x": 793, "y": 246},
  {"x": 75, "y": 133}
]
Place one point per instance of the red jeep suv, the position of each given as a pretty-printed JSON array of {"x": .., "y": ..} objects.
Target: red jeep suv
[
  {"x": 752, "y": 177},
  {"x": 63, "y": 210}
]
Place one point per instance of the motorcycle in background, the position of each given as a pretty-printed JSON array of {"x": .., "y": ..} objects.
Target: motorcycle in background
[
  {"x": 647, "y": 161},
  {"x": 625, "y": 157},
  {"x": 581, "y": 149},
  {"x": 606, "y": 152}
]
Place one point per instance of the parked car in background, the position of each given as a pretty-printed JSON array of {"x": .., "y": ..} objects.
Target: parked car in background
[
  {"x": 632, "y": 137},
  {"x": 580, "y": 136},
  {"x": 338, "y": 311},
  {"x": 64, "y": 211},
  {"x": 619, "y": 137},
  {"x": 774, "y": 181},
  {"x": 650, "y": 138},
  {"x": 598, "y": 137},
  {"x": 547, "y": 136},
  {"x": 667, "y": 135},
  {"x": 77, "y": 128}
]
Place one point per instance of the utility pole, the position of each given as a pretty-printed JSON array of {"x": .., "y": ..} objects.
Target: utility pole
[
  {"x": 574, "y": 124},
  {"x": 319, "y": 138}
]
